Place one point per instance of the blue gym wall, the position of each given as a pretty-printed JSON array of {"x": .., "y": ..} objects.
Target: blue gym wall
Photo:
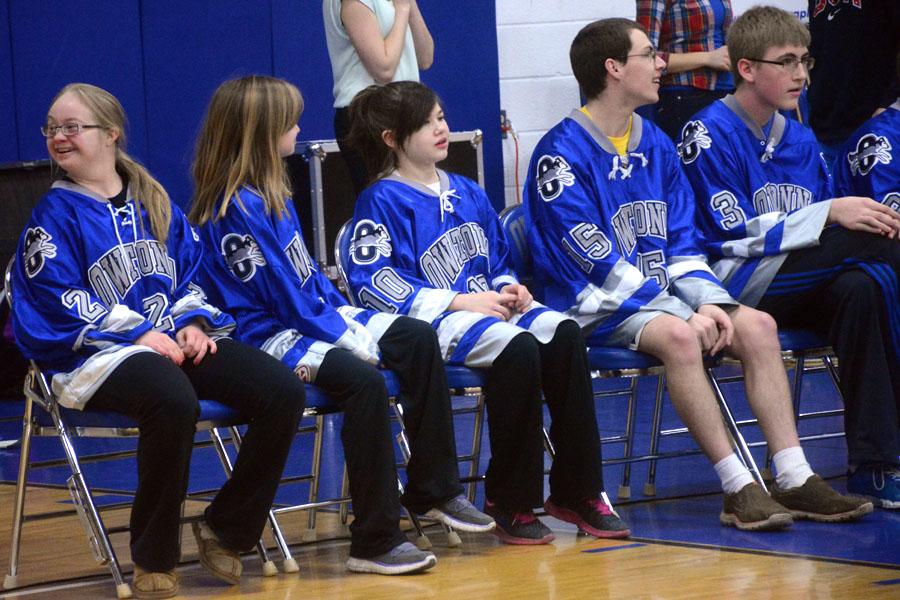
[{"x": 164, "y": 58}]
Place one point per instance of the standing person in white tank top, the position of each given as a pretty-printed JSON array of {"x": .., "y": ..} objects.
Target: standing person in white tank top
[{"x": 371, "y": 41}]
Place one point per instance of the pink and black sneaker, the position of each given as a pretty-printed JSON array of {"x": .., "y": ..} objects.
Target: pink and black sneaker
[
  {"x": 592, "y": 516},
  {"x": 518, "y": 527}
]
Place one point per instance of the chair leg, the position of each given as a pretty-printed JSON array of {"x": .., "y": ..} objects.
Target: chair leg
[
  {"x": 832, "y": 371},
  {"x": 650, "y": 486},
  {"x": 11, "y": 579},
  {"x": 344, "y": 511},
  {"x": 268, "y": 567},
  {"x": 289, "y": 564},
  {"x": 422, "y": 541},
  {"x": 315, "y": 469},
  {"x": 798, "y": 385},
  {"x": 737, "y": 439},
  {"x": 87, "y": 510},
  {"x": 628, "y": 444},
  {"x": 548, "y": 443},
  {"x": 453, "y": 539},
  {"x": 477, "y": 428}
]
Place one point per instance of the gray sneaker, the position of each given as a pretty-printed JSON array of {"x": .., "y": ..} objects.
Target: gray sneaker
[
  {"x": 402, "y": 559},
  {"x": 461, "y": 515}
]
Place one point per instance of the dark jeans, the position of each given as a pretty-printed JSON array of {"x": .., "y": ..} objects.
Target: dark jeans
[
  {"x": 676, "y": 107},
  {"x": 162, "y": 397},
  {"x": 845, "y": 302},
  {"x": 514, "y": 478},
  {"x": 410, "y": 348}
]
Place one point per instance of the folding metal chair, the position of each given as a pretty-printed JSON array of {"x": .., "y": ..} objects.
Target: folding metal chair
[
  {"x": 607, "y": 362},
  {"x": 45, "y": 417},
  {"x": 462, "y": 383}
]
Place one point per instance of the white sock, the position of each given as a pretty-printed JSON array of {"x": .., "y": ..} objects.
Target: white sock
[
  {"x": 791, "y": 468},
  {"x": 733, "y": 473}
]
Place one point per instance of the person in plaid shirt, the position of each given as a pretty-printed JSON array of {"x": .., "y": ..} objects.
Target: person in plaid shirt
[{"x": 691, "y": 38}]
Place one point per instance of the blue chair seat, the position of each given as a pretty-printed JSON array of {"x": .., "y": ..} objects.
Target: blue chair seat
[
  {"x": 210, "y": 410},
  {"x": 318, "y": 400},
  {"x": 800, "y": 340},
  {"x": 464, "y": 377},
  {"x": 611, "y": 359}
]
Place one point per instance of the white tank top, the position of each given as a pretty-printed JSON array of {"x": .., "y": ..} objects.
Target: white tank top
[{"x": 350, "y": 75}]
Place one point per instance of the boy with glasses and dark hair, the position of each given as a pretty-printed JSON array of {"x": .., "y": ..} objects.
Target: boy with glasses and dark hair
[
  {"x": 610, "y": 222},
  {"x": 780, "y": 241}
]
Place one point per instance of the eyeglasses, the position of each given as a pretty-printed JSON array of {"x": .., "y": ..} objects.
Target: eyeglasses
[
  {"x": 651, "y": 54},
  {"x": 790, "y": 63},
  {"x": 68, "y": 129}
]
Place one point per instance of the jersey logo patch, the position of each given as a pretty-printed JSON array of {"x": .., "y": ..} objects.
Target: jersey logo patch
[
  {"x": 694, "y": 139},
  {"x": 242, "y": 255},
  {"x": 871, "y": 149},
  {"x": 304, "y": 373},
  {"x": 38, "y": 248},
  {"x": 553, "y": 175},
  {"x": 370, "y": 241}
]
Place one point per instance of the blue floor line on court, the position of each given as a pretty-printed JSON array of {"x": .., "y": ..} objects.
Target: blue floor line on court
[
  {"x": 888, "y": 582},
  {"x": 611, "y": 548}
]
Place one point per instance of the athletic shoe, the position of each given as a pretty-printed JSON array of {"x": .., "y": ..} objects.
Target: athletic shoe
[
  {"x": 400, "y": 560},
  {"x": 751, "y": 509},
  {"x": 149, "y": 584},
  {"x": 592, "y": 516},
  {"x": 881, "y": 484},
  {"x": 518, "y": 527},
  {"x": 461, "y": 515},
  {"x": 218, "y": 560},
  {"x": 816, "y": 501}
]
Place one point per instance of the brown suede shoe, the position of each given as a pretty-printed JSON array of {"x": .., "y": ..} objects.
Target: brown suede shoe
[
  {"x": 148, "y": 584},
  {"x": 218, "y": 560},
  {"x": 815, "y": 500},
  {"x": 751, "y": 509}
]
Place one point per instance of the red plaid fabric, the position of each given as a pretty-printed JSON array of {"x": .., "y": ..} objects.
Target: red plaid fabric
[{"x": 683, "y": 26}]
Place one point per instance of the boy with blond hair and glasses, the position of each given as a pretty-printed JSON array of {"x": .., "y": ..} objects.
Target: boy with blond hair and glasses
[{"x": 780, "y": 241}]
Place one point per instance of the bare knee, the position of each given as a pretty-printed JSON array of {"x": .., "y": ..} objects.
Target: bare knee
[
  {"x": 756, "y": 332},
  {"x": 672, "y": 341}
]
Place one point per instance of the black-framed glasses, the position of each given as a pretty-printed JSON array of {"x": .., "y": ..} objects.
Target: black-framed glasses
[
  {"x": 68, "y": 129},
  {"x": 650, "y": 53},
  {"x": 790, "y": 62}
]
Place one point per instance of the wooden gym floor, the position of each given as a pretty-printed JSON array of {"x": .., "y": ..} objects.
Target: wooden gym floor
[{"x": 56, "y": 563}]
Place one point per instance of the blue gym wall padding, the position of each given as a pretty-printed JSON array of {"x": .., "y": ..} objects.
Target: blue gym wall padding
[{"x": 164, "y": 58}]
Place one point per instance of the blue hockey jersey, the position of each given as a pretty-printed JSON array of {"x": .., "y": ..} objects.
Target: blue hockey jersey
[
  {"x": 612, "y": 237},
  {"x": 258, "y": 266},
  {"x": 759, "y": 194},
  {"x": 90, "y": 279},
  {"x": 414, "y": 250},
  {"x": 869, "y": 164}
]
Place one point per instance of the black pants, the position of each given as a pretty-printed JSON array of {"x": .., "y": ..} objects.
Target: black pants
[
  {"x": 515, "y": 474},
  {"x": 162, "y": 397},
  {"x": 410, "y": 348},
  {"x": 355, "y": 164},
  {"x": 826, "y": 289},
  {"x": 676, "y": 107}
]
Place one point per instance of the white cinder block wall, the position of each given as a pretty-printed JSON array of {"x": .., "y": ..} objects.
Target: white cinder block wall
[{"x": 537, "y": 87}]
